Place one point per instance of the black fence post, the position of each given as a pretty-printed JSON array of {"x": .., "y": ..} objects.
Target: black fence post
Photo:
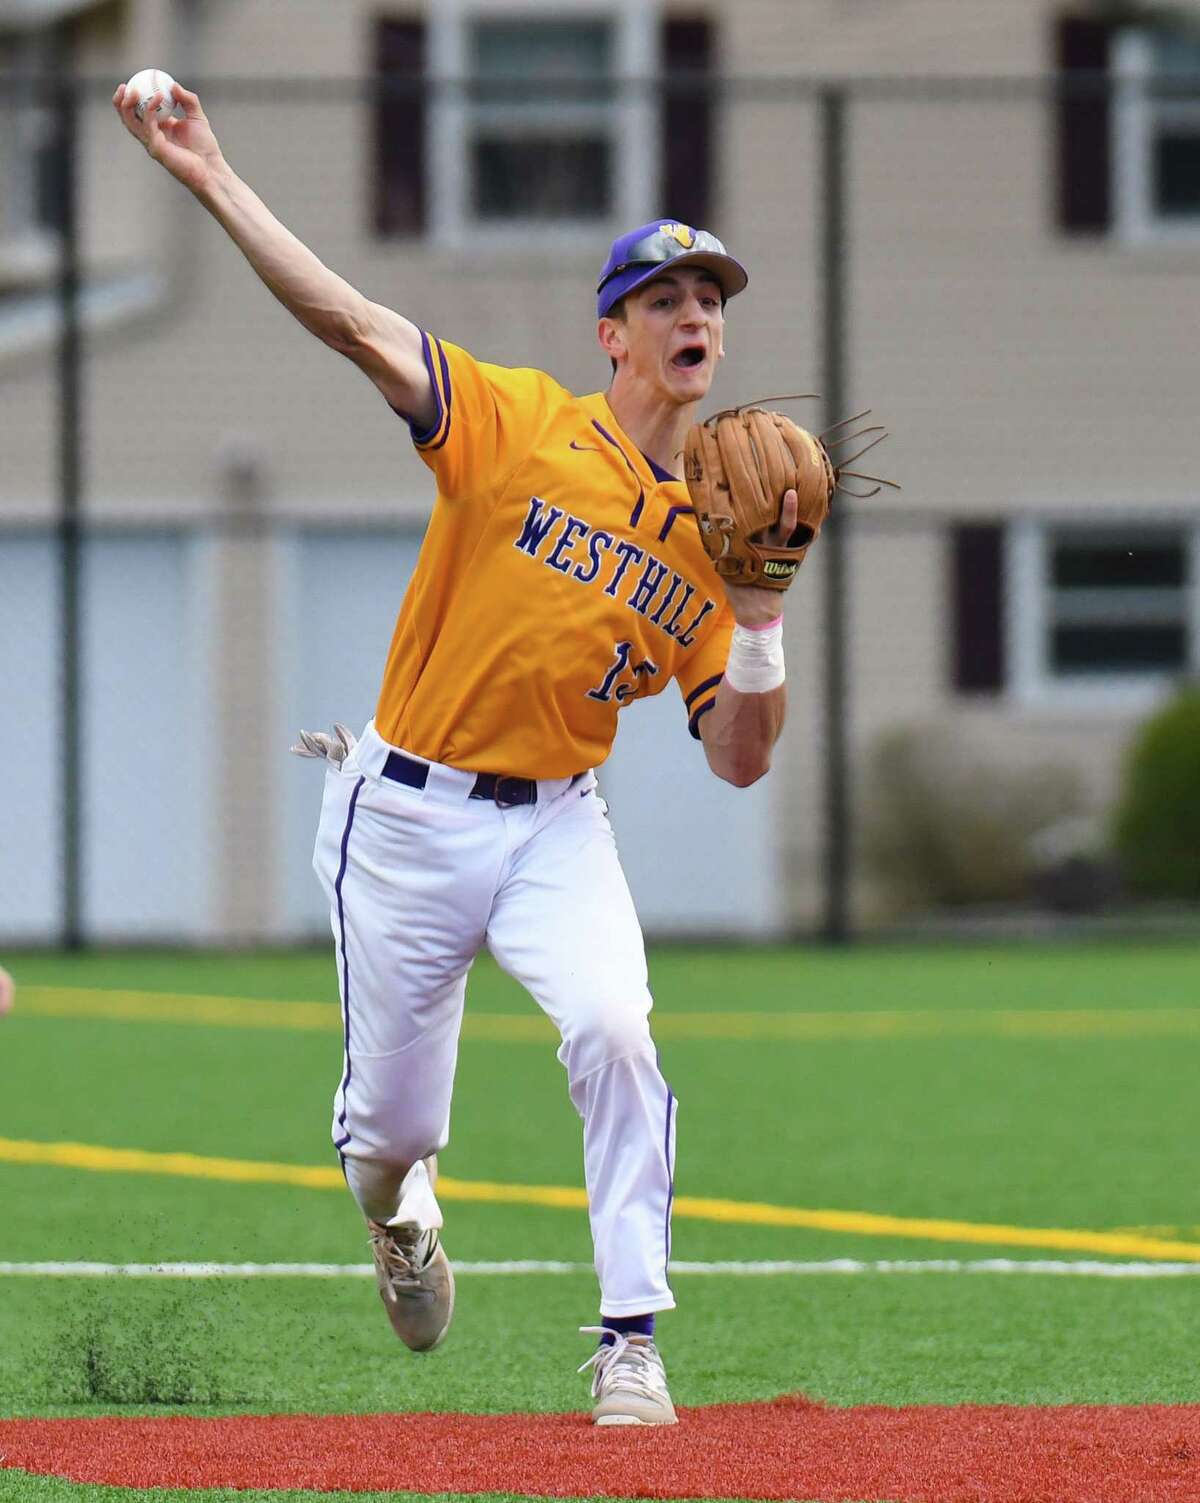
[
  {"x": 836, "y": 925},
  {"x": 70, "y": 473}
]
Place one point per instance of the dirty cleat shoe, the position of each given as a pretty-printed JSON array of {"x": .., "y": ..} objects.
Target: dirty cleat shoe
[
  {"x": 415, "y": 1282},
  {"x": 628, "y": 1381},
  {"x": 413, "y": 1273}
]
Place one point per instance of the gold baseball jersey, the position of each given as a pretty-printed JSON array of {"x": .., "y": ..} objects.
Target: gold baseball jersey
[{"x": 561, "y": 577}]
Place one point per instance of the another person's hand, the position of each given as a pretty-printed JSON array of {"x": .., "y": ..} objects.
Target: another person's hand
[
  {"x": 8, "y": 991},
  {"x": 187, "y": 148}
]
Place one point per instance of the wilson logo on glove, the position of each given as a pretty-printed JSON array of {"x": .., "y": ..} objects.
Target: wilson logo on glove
[{"x": 739, "y": 463}]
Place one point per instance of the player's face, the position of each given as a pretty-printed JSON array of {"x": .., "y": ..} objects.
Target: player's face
[{"x": 673, "y": 332}]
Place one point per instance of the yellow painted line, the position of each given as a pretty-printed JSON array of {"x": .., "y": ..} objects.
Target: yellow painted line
[
  {"x": 871, "y": 1224},
  {"x": 1159, "y": 1231},
  {"x": 1006, "y": 1023},
  {"x": 185, "y": 1165},
  {"x": 564, "y": 1197},
  {"x": 509, "y": 1028},
  {"x": 167, "y": 1007}
]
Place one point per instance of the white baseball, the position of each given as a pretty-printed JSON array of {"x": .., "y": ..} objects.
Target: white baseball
[{"x": 148, "y": 83}]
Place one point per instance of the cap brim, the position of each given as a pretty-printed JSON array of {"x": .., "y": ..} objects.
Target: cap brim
[{"x": 729, "y": 274}]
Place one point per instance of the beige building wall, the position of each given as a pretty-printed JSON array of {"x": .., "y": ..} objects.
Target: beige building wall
[{"x": 1019, "y": 371}]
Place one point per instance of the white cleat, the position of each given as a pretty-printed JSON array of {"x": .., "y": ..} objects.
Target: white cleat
[
  {"x": 628, "y": 1381},
  {"x": 415, "y": 1283},
  {"x": 412, "y": 1271}
]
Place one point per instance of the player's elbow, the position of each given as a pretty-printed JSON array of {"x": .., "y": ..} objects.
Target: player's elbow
[
  {"x": 742, "y": 768},
  {"x": 359, "y": 329},
  {"x": 344, "y": 332}
]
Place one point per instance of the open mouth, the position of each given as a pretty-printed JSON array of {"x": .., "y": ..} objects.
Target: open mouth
[{"x": 689, "y": 357}]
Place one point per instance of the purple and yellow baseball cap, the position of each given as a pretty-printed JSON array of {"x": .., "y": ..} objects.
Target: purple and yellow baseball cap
[{"x": 642, "y": 253}]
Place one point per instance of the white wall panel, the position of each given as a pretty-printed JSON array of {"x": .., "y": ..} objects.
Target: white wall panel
[
  {"x": 148, "y": 798},
  {"x": 339, "y": 597},
  {"x": 29, "y": 720},
  {"x": 701, "y": 856}
]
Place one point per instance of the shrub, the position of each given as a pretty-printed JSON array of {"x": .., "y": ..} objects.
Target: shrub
[
  {"x": 948, "y": 827},
  {"x": 1157, "y": 829}
]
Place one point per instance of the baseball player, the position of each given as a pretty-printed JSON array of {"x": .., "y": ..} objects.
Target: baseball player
[{"x": 562, "y": 577}]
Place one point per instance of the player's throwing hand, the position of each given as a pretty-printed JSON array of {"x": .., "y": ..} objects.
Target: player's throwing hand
[{"x": 187, "y": 148}]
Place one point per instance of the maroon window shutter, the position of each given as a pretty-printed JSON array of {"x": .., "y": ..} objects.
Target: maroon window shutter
[
  {"x": 398, "y": 161},
  {"x": 1084, "y": 153},
  {"x": 688, "y": 156},
  {"x": 978, "y": 600}
]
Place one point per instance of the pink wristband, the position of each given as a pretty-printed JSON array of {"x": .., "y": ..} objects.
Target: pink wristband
[{"x": 767, "y": 625}]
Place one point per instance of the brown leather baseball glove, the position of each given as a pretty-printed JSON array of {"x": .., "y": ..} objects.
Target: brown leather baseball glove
[{"x": 738, "y": 464}]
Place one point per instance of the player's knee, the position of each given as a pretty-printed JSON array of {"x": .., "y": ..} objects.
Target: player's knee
[
  {"x": 600, "y": 1034},
  {"x": 378, "y": 1134}
]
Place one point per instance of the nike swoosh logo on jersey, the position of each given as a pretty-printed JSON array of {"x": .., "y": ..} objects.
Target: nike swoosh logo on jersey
[{"x": 586, "y": 448}]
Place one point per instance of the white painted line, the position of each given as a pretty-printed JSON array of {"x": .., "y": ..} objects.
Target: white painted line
[
  {"x": 1079, "y": 1269},
  {"x": 835, "y": 1266}
]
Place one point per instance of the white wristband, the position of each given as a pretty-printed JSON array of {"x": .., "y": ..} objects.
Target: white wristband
[{"x": 755, "y": 664}]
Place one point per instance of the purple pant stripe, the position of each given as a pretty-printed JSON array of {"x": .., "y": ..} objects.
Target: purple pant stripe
[
  {"x": 670, "y": 1182},
  {"x": 341, "y": 913}
]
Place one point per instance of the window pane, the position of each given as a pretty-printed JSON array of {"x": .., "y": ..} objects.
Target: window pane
[
  {"x": 537, "y": 49},
  {"x": 1177, "y": 174},
  {"x": 1176, "y": 53},
  {"x": 519, "y": 62},
  {"x": 1134, "y": 562},
  {"x": 1106, "y": 650},
  {"x": 550, "y": 178}
]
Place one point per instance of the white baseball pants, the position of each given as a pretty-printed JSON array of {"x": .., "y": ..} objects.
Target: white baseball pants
[{"x": 418, "y": 881}]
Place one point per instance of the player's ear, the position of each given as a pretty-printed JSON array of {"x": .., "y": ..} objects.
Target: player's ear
[{"x": 611, "y": 335}]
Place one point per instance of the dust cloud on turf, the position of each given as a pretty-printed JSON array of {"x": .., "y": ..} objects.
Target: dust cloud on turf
[{"x": 171, "y": 1350}]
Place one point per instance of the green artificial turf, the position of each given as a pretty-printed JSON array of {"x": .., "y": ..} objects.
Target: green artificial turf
[
  {"x": 265, "y": 1346},
  {"x": 1074, "y": 1132},
  {"x": 22, "y": 1488},
  {"x": 1068, "y": 1132}
]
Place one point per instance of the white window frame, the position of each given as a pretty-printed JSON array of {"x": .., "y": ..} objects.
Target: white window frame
[
  {"x": 1027, "y": 562},
  {"x": 28, "y": 251},
  {"x": 635, "y": 116},
  {"x": 1135, "y": 120}
]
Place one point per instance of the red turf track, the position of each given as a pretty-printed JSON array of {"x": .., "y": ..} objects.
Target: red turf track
[{"x": 789, "y": 1448}]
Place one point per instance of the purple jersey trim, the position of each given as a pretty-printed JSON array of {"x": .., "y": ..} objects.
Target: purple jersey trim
[
  {"x": 604, "y": 433},
  {"x": 636, "y": 515},
  {"x": 449, "y": 390},
  {"x": 661, "y": 475},
  {"x": 423, "y": 437},
  {"x": 700, "y": 710},
  {"x": 709, "y": 683},
  {"x": 340, "y": 1143},
  {"x": 672, "y": 513}
]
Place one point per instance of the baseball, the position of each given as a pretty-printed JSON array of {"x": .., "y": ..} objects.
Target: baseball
[{"x": 148, "y": 83}]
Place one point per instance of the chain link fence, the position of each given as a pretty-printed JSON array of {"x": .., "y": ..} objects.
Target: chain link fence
[{"x": 207, "y": 521}]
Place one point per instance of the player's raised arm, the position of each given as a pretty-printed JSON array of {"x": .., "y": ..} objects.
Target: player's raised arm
[{"x": 385, "y": 346}]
